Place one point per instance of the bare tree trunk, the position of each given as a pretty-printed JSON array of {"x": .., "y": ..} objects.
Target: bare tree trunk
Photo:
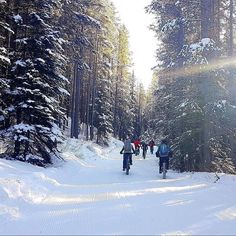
[
  {"x": 206, "y": 17},
  {"x": 231, "y": 33},
  {"x": 77, "y": 98},
  {"x": 217, "y": 5},
  {"x": 95, "y": 74},
  {"x": 78, "y": 75},
  {"x": 139, "y": 111},
  {"x": 115, "y": 106},
  {"x": 73, "y": 99},
  {"x": 89, "y": 96}
]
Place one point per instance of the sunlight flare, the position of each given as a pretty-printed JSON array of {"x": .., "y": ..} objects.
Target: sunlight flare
[{"x": 197, "y": 69}]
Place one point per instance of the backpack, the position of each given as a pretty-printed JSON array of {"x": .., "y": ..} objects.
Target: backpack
[
  {"x": 164, "y": 150},
  {"x": 127, "y": 146}
]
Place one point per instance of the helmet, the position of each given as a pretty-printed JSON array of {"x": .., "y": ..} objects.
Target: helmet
[{"x": 164, "y": 141}]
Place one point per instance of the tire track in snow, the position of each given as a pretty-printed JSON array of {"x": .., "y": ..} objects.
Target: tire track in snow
[{"x": 92, "y": 198}]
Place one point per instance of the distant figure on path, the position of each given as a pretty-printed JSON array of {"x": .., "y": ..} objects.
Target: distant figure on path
[
  {"x": 127, "y": 152},
  {"x": 151, "y": 145},
  {"x": 164, "y": 152},
  {"x": 137, "y": 145}
]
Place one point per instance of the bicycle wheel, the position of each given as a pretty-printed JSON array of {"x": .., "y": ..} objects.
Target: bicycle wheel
[
  {"x": 144, "y": 154},
  {"x": 127, "y": 165},
  {"x": 151, "y": 150},
  {"x": 164, "y": 170}
]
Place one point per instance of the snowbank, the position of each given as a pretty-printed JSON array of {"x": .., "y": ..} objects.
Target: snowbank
[{"x": 89, "y": 194}]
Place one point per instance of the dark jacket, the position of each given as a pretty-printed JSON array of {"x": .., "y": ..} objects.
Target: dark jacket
[{"x": 151, "y": 143}]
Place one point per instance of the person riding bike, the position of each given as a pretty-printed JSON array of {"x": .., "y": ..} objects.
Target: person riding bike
[
  {"x": 137, "y": 145},
  {"x": 151, "y": 145},
  {"x": 127, "y": 152},
  {"x": 144, "y": 146},
  {"x": 164, "y": 152}
]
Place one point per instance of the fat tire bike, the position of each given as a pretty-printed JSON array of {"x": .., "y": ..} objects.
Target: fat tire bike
[
  {"x": 144, "y": 154},
  {"x": 151, "y": 150},
  {"x": 164, "y": 170},
  {"x": 127, "y": 166}
]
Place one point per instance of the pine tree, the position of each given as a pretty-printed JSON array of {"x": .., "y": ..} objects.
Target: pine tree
[
  {"x": 122, "y": 122},
  {"x": 100, "y": 113},
  {"x": 5, "y": 33},
  {"x": 191, "y": 99},
  {"x": 36, "y": 83}
]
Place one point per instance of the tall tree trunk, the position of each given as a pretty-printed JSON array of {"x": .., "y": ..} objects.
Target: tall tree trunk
[
  {"x": 78, "y": 75},
  {"x": 206, "y": 17},
  {"x": 231, "y": 33},
  {"x": 73, "y": 99},
  {"x": 94, "y": 89},
  {"x": 77, "y": 99},
  {"x": 17, "y": 143},
  {"x": 116, "y": 106},
  {"x": 91, "y": 62},
  {"x": 217, "y": 11}
]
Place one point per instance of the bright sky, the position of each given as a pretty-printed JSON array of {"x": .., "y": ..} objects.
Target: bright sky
[{"x": 142, "y": 41}]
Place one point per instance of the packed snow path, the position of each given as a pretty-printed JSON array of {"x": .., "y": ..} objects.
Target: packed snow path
[{"x": 89, "y": 194}]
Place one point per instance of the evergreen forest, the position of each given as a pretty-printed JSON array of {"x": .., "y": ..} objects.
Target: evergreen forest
[{"x": 66, "y": 71}]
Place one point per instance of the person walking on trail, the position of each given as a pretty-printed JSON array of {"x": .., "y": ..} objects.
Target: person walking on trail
[
  {"x": 164, "y": 152},
  {"x": 151, "y": 145},
  {"x": 127, "y": 152},
  {"x": 137, "y": 145}
]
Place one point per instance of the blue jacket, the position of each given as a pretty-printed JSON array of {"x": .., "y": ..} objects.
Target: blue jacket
[{"x": 167, "y": 151}]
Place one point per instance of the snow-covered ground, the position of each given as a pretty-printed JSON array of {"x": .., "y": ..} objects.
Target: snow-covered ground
[{"x": 89, "y": 194}]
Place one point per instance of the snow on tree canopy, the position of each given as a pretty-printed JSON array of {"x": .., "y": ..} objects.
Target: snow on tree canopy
[
  {"x": 4, "y": 59},
  {"x": 205, "y": 43},
  {"x": 20, "y": 63},
  {"x": 18, "y": 19},
  {"x": 170, "y": 26},
  {"x": 21, "y": 138},
  {"x": 197, "y": 53},
  {"x": 63, "y": 78},
  {"x": 63, "y": 91},
  {"x": 24, "y": 127},
  {"x": 56, "y": 135},
  {"x": 40, "y": 60},
  {"x": 3, "y": 50},
  {"x": 220, "y": 103},
  {"x": 6, "y": 27},
  {"x": 88, "y": 20},
  {"x": 37, "y": 19},
  {"x": 83, "y": 40},
  {"x": 177, "y": 3},
  {"x": 3, "y": 82},
  {"x": 22, "y": 41},
  {"x": 11, "y": 108}
]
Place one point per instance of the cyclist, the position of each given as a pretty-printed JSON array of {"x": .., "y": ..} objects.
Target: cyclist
[
  {"x": 127, "y": 152},
  {"x": 164, "y": 152},
  {"x": 151, "y": 145},
  {"x": 145, "y": 148},
  {"x": 137, "y": 145}
]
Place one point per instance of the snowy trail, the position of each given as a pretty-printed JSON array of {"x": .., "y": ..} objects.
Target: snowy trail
[{"x": 91, "y": 195}]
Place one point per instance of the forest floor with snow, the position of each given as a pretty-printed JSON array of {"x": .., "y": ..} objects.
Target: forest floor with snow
[{"x": 89, "y": 194}]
